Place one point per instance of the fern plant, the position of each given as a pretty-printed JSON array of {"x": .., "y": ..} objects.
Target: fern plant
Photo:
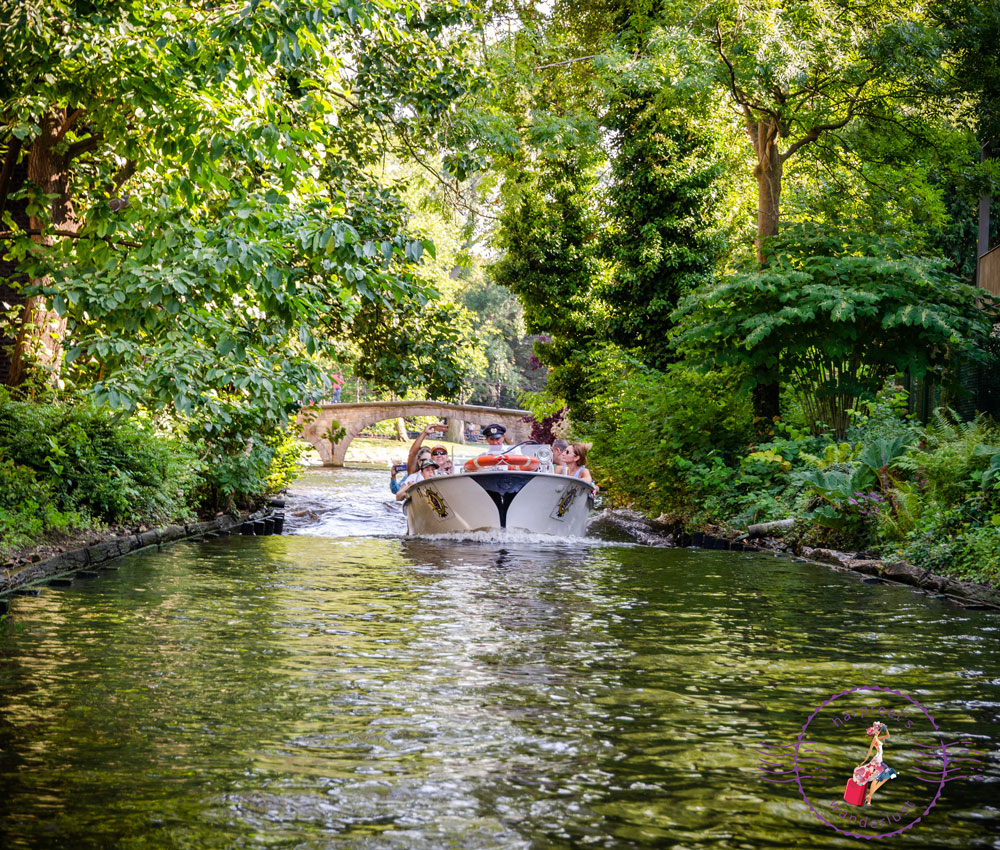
[
  {"x": 956, "y": 458},
  {"x": 833, "y": 453},
  {"x": 904, "y": 515}
]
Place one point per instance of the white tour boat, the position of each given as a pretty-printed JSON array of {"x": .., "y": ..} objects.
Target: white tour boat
[{"x": 514, "y": 489}]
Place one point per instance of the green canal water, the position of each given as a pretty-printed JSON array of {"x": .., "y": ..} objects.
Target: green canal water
[{"x": 344, "y": 687}]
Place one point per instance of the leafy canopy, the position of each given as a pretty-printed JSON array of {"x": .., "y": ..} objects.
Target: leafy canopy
[{"x": 240, "y": 136}]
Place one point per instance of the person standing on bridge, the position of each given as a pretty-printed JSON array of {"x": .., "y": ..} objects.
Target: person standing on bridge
[
  {"x": 411, "y": 460},
  {"x": 337, "y": 382}
]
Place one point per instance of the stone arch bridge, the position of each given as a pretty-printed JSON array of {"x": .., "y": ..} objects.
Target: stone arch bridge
[{"x": 317, "y": 421}]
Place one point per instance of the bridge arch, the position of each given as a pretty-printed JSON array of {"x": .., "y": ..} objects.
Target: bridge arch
[{"x": 315, "y": 422}]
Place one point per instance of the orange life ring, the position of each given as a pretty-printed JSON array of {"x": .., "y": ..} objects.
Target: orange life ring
[{"x": 522, "y": 462}]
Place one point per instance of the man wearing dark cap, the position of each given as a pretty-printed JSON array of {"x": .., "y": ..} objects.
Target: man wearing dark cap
[{"x": 494, "y": 438}]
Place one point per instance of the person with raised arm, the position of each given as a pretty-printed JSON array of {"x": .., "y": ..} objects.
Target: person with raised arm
[{"x": 411, "y": 460}]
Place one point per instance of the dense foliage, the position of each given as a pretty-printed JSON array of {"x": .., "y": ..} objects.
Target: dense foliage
[
  {"x": 676, "y": 447},
  {"x": 69, "y": 464},
  {"x": 65, "y": 465},
  {"x": 660, "y": 240},
  {"x": 836, "y": 315},
  {"x": 194, "y": 221},
  {"x": 778, "y": 213}
]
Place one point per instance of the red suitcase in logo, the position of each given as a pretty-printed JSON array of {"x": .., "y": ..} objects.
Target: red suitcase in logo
[{"x": 854, "y": 793}]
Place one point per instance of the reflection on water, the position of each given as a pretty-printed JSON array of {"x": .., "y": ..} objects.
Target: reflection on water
[{"x": 337, "y": 689}]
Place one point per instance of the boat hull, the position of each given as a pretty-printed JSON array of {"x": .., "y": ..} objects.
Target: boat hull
[{"x": 535, "y": 502}]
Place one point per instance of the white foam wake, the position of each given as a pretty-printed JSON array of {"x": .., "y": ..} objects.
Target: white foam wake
[{"x": 512, "y": 536}]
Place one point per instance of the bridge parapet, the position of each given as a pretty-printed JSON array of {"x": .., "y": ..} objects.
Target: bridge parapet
[{"x": 355, "y": 417}]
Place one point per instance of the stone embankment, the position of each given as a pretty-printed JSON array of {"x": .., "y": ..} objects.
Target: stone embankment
[
  {"x": 85, "y": 562},
  {"x": 654, "y": 533}
]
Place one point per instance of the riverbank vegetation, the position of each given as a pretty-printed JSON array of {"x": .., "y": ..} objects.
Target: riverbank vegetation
[
  {"x": 748, "y": 238},
  {"x": 69, "y": 466},
  {"x": 736, "y": 245},
  {"x": 201, "y": 219}
]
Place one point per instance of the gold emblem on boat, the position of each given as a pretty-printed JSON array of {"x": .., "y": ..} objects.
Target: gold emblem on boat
[
  {"x": 437, "y": 504},
  {"x": 564, "y": 503}
]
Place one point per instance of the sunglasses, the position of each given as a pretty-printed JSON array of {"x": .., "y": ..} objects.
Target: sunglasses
[{"x": 439, "y": 453}]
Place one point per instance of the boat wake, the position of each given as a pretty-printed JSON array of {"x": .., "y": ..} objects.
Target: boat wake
[{"x": 512, "y": 537}]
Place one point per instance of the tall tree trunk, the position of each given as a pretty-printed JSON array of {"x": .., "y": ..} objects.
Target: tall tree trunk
[
  {"x": 15, "y": 172},
  {"x": 768, "y": 172},
  {"x": 41, "y": 330},
  {"x": 456, "y": 430}
]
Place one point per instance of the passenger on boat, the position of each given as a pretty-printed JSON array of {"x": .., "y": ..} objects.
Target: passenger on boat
[
  {"x": 575, "y": 460},
  {"x": 439, "y": 454},
  {"x": 412, "y": 463},
  {"x": 394, "y": 485},
  {"x": 394, "y": 482},
  {"x": 428, "y": 469},
  {"x": 558, "y": 464}
]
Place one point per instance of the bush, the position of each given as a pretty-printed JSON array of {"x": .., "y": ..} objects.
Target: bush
[
  {"x": 952, "y": 456},
  {"x": 27, "y": 512},
  {"x": 671, "y": 439},
  {"x": 114, "y": 468},
  {"x": 963, "y": 541},
  {"x": 240, "y": 476},
  {"x": 835, "y": 314}
]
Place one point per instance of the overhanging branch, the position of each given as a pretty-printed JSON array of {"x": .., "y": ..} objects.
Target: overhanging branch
[
  {"x": 565, "y": 62},
  {"x": 817, "y": 130},
  {"x": 68, "y": 123},
  {"x": 455, "y": 196},
  {"x": 82, "y": 146},
  {"x": 72, "y": 235},
  {"x": 738, "y": 94}
]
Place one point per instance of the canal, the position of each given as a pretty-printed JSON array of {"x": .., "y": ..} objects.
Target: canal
[{"x": 344, "y": 687}]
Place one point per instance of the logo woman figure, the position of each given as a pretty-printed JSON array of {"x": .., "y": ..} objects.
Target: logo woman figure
[{"x": 875, "y": 770}]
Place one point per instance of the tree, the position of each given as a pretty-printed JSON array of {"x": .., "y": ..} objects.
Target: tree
[
  {"x": 662, "y": 240},
  {"x": 972, "y": 30},
  {"x": 199, "y": 190},
  {"x": 796, "y": 74},
  {"x": 836, "y": 314},
  {"x": 548, "y": 239}
]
